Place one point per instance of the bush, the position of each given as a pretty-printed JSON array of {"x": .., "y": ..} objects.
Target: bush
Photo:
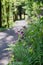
[{"x": 29, "y": 49}]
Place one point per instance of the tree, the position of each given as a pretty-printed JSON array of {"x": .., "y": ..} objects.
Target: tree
[{"x": 6, "y": 13}]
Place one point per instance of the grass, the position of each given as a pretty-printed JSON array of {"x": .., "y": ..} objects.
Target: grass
[{"x": 2, "y": 29}]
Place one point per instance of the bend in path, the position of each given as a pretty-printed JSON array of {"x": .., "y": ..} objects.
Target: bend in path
[{"x": 8, "y": 37}]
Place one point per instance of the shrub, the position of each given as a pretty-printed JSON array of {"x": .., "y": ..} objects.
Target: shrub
[{"x": 29, "y": 49}]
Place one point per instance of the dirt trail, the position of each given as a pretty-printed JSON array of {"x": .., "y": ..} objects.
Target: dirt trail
[{"x": 7, "y": 37}]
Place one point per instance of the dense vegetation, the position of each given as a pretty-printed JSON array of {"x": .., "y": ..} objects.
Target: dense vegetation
[
  {"x": 6, "y": 12},
  {"x": 9, "y": 11},
  {"x": 28, "y": 50}
]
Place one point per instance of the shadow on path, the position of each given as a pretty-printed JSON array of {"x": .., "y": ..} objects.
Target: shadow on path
[{"x": 7, "y": 37}]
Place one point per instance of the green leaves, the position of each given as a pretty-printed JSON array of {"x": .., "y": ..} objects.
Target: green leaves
[
  {"x": 29, "y": 50},
  {"x": 6, "y": 13}
]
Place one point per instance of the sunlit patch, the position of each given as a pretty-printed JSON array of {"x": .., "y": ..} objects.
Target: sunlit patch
[{"x": 4, "y": 61}]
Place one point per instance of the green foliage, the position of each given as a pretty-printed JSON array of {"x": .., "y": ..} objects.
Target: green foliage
[
  {"x": 29, "y": 50},
  {"x": 6, "y": 12},
  {"x": 2, "y": 29},
  {"x": 9, "y": 9},
  {"x": 33, "y": 9}
]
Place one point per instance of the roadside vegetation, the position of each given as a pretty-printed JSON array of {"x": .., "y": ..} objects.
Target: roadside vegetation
[{"x": 28, "y": 50}]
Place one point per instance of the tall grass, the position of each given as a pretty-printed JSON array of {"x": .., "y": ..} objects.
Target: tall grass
[{"x": 29, "y": 49}]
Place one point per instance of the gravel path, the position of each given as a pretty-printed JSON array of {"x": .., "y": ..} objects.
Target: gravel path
[{"x": 7, "y": 37}]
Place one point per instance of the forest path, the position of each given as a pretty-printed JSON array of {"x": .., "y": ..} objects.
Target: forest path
[{"x": 8, "y": 37}]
